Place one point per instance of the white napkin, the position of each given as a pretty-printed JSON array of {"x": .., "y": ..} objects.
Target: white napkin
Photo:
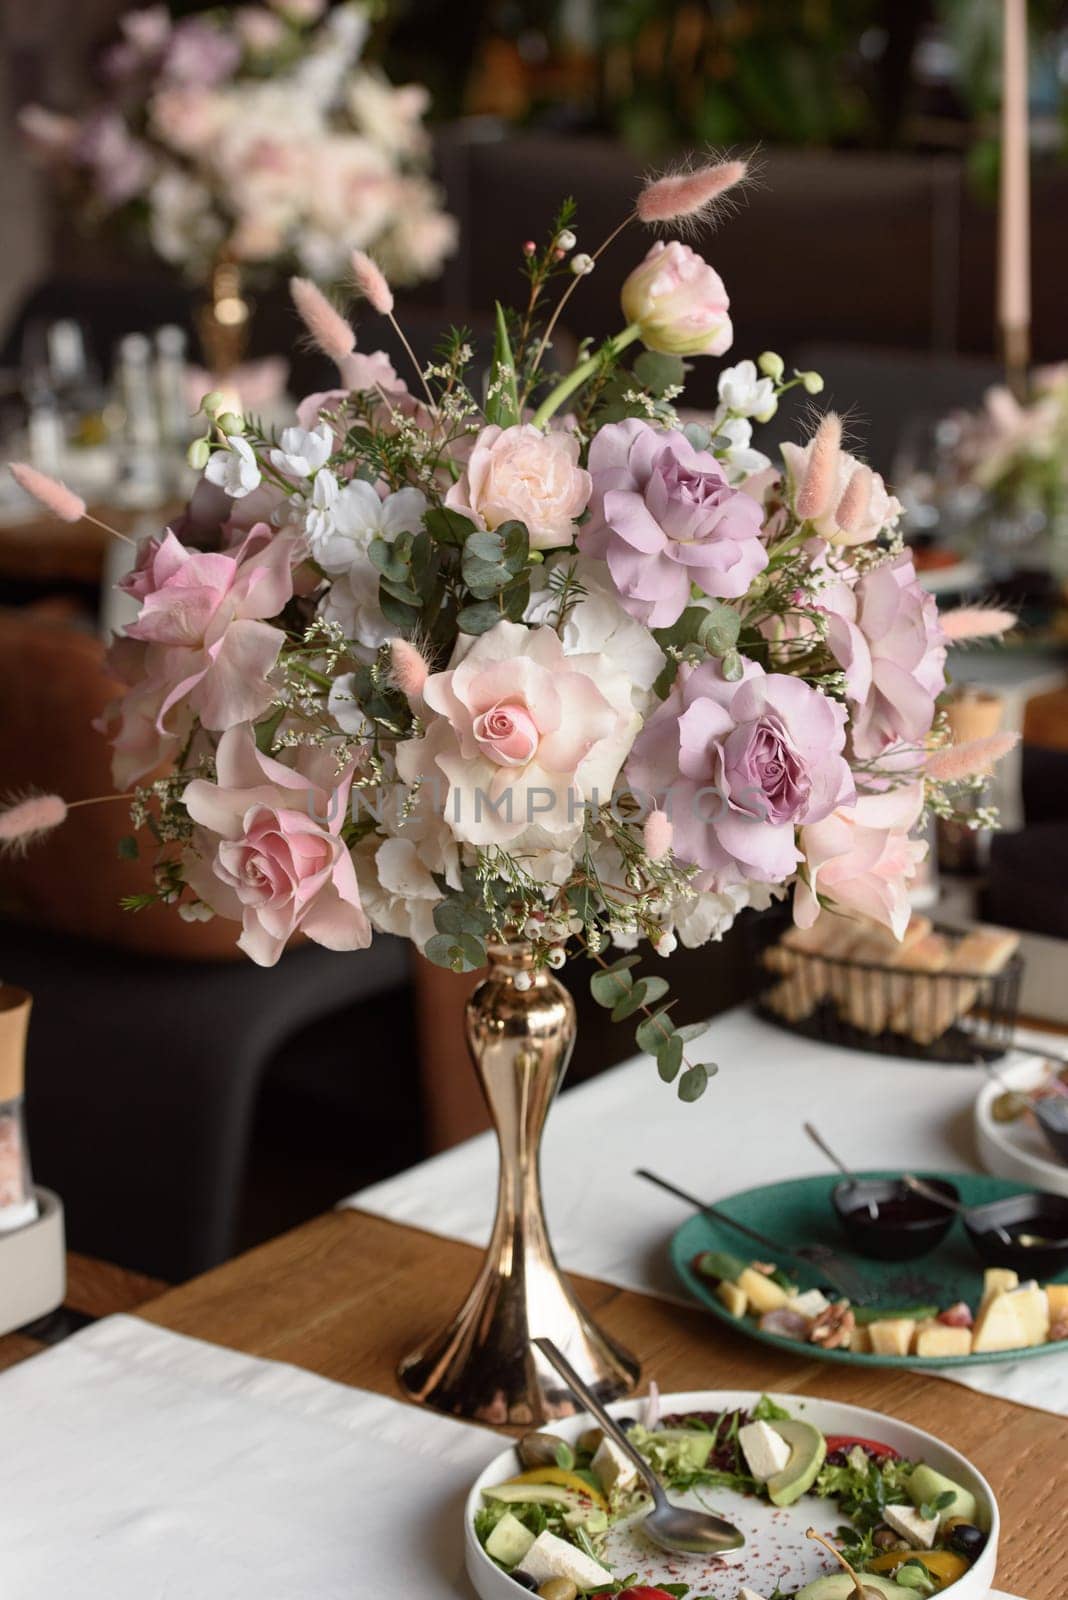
[
  {"x": 141, "y": 1465},
  {"x": 878, "y": 1111}
]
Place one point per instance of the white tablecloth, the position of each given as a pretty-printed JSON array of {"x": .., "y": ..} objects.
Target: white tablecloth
[
  {"x": 876, "y": 1111},
  {"x": 141, "y": 1465}
]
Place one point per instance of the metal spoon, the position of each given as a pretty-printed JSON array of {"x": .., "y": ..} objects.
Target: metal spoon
[
  {"x": 673, "y": 1528},
  {"x": 836, "y": 1161},
  {"x": 1029, "y": 1241}
]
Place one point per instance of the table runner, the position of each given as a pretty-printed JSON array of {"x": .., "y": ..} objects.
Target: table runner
[
  {"x": 877, "y": 1111},
  {"x": 139, "y": 1462}
]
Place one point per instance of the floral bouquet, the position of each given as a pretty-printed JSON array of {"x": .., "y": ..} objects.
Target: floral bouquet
[
  {"x": 254, "y": 133},
  {"x": 535, "y": 656}
]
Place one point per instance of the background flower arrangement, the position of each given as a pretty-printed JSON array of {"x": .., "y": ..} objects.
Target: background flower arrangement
[
  {"x": 256, "y": 133},
  {"x": 462, "y": 669}
]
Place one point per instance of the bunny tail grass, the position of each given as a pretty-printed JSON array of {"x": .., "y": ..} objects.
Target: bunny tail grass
[
  {"x": 23, "y": 822},
  {"x": 328, "y": 328},
  {"x": 48, "y": 492},
  {"x": 371, "y": 282},
  {"x": 688, "y": 194}
]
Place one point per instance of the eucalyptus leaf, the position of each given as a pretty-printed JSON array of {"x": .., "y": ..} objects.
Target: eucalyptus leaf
[
  {"x": 479, "y": 618},
  {"x": 630, "y": 1003},
  {"x": 657, "y": 371},
  {"x": 655, "y": 989},
  {"x": 460, "y": 915},
  {"x": 446, "y": 526},
  {"x": 654, "y": 1031},
  {"x": 698, "y": 435},
  {"x": 399, "y": 614},
  {"x": 719, "y": 630},
  {"x": 461, "y": 952},
  {"x": 669, "y": 1058},
  {"x": 733, "y": 666},
  {"x": 693, "y": 1082},
  {"x": 608, "y": 988}
]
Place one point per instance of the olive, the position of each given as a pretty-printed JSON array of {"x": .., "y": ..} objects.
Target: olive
[
  {"x": 538, "y": 1449},
  {"x": 626, "y": 1423},
  {"x": 1010, "y": 1106},
  {"x": 558, "y": 1589},
  {"x": 967, "y": 1540},
  {"x": 589, "y": 1442},
  {"x": 887, "y": 1539},
  {"x": 524, "y": 1580}
]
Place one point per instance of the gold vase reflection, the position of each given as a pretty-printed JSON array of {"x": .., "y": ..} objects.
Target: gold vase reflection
[{"x": 483, "y": 1365}]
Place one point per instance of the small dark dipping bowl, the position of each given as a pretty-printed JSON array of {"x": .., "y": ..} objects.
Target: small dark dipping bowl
[
  {"x": 885, "y": 1220},
  {"x": 1052, "y": 1114},
  {"x": 1045, "y": 1215}
]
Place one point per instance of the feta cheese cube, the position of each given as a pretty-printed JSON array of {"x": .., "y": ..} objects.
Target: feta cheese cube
[
  {"x": 552, "y": 1557},
  {"x": 766, "y": 1452},
  {"x": 616, "y": 1471},
  {"x": 749, "y": 1594},
  {"x": 809, "y": 1304},
  {"x": 911, "y": 1525}
]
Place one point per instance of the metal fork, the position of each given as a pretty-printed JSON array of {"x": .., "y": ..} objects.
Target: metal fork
[{"x": 830, "y": 1266}]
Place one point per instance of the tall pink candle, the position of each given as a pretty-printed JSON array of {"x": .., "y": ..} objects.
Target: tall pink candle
[{"x": 1014, "y": 243}]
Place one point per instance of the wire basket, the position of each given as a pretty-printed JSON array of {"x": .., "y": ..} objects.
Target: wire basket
[{"x": 954, "y": 1017}]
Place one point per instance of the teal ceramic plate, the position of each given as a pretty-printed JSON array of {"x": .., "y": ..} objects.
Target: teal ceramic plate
[{"x": 799, "y": 1211}]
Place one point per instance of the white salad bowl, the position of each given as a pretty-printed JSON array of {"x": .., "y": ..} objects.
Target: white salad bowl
[{"x": 777, "y": 1550}]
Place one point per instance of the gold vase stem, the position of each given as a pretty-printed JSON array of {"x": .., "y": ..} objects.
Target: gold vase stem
[{"x": 484, "y": 1365}]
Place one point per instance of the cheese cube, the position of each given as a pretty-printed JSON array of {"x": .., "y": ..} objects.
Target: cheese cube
[
  {"x": 1057, "y": 1298},
  {"x": 551, "y": 1557},
  {"x": 1032, "y": 1310},
  {"x": 998, "y": 1280},
  {"x": 749, "y": 1594},
  {"x": 860, "y": 1340},
  {"x": 762, "y": 1292},
  {"x": 766, "y": 1452},
  {"x": 734, "y": 1298},
  {"x": 809, "y": 1304},
  {"x": 935, "y": 1339},
  {"x": 892, "y": 1336},
  {"x": 997, "y": 1326},
  {"x": 616, "y": 1471},
  {"x": 920, "y": 1531}
]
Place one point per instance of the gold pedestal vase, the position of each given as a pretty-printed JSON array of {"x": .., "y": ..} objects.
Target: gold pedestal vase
[{"x": 483, "y": 1365}]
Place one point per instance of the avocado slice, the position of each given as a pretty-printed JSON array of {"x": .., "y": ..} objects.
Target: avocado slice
[
  {"x": 541, "y": 1494},
  {"x": 808, "y": 1451},
  {"x": 691, "y": 1447},
  {"x": 840, "y": 1586},
  {"x": 924, "y": 1487}
]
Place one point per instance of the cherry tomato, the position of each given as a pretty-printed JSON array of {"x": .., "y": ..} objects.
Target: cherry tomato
[
  {"x": 644, "y": 1593},
  {"x": 846, "y": 1441}
]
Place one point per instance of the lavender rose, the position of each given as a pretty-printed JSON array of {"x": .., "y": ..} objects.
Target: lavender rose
[
  {"x": 884, "y": 633},
  {"x": 738, "y": 767},
  {"x": 664, "y": 517}
]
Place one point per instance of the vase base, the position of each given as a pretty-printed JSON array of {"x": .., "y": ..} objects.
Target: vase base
[{"x": 483, "y": 1366}]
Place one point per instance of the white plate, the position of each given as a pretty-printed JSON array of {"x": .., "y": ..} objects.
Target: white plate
[
  {"x": 776, "y": 1548},
  {"x": 1017, "y": 1150}
]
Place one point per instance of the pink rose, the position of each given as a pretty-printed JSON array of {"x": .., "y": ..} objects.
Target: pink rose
[
  {"x": 861, "y": 858},
  {"x": 679, "y": 302},
  {"x": 738, "y": 766},
  {"x": 884, "y": 633},
  {"x": 524, "y": 475},
  {"x": 664, "y": 517},
  {"x": 187, "y": 117},
  {"x": 199, "y": 645},
  {"x": 268, "y": 851},
  {"x": 523, "y": 735}
]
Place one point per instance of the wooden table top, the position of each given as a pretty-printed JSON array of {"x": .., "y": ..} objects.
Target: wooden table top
[{"x": 348, "y": 1294}]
